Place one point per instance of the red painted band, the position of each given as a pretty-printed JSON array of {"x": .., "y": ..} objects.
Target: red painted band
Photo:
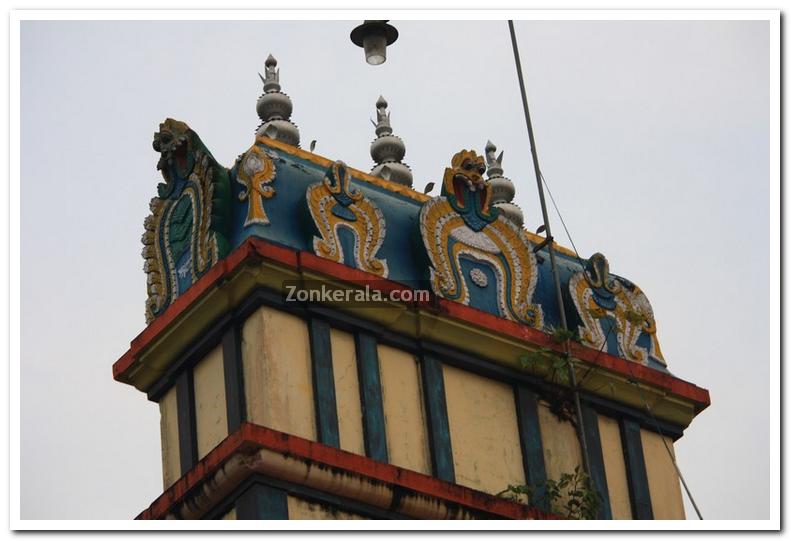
[
  {"x": 251, "y": 437},
  {"x": 305, "y": 261}
]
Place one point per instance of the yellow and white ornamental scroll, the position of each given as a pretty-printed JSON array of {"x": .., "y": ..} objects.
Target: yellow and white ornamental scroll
[
  {"x": 598, "y": 295},
  {"x": 334, "y": 205},
  {"x": 256, "y": 173}
]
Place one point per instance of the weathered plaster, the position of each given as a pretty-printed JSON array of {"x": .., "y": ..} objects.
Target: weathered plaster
[
  {"x": 277, "y": 372},
  {"x": 483, "y": 430}
]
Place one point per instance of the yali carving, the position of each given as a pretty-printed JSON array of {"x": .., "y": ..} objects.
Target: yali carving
[
  {"x": 186, "y": 232},
  {"x": 466, "y": 239}
]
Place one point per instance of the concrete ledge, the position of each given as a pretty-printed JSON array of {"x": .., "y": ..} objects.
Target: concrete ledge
[
  {"x": 261, "y": 264},
  {"x": 255, "y": 449}
]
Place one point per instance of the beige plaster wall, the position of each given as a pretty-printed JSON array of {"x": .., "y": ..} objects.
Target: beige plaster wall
[
  {"x": 663, "y": 483},
  {"x": 169, "y": 435},
  {"x": 277, "y": 372},
  {"x": 615, "y": 468},
  {"x": 211, "y": 422},
  {"x": 561, "y": 447},
  {"x": 483, "y": 430},
  {"x": 402, "y": 400},
  {"x": 299, "y": 509},
  {"x": 347, "y": 392}
]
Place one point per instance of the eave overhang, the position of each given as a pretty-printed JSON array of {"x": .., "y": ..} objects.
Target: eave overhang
[{"x": 258, "y": 264}]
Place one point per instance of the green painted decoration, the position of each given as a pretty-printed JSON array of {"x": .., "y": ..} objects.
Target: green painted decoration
[{"x": 188, "y": 229}]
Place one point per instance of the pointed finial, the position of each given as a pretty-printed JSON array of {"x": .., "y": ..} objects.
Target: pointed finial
[
  {"x": 272, "y": 79},
  {"x": 274, "y": 107},
  {"x": 387, "y": 150},
  {"x": 382, "y": 118},
  {"x": 495, "y": 163},
  {"x": 502, "y": 188}
]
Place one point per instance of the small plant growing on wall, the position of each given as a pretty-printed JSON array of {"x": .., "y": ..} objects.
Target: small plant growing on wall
[
  {"x": 571, "y": 496},
  {"x": 554, "y": 365}
]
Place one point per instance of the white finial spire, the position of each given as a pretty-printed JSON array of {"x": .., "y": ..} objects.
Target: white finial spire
[
  {"x": 272, "y": 79},
  {"x": 382, "y": 123},
  {"x": 387, "y": 150},
  {"x": 495, "y": 164},
  {"x": 502, "y": 188},
  {"x": 274, "y": 107}
]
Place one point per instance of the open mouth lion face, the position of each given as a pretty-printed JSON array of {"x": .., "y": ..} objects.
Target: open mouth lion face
[
  {"x": 172, "y": 142},
  {"x": 467, "y": 169},
  {"x": 467, "y": 191}
]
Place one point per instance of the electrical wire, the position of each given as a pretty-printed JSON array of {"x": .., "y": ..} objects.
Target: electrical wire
[
  {"x": 596, "y": 358},
  {"x": 633, "y": 377},
  {"x": 575, "y": 385},
  {"x": 667, "y": 447},
  {"x": 562, "y": 221},
  {"x": 550, "y": 249}
]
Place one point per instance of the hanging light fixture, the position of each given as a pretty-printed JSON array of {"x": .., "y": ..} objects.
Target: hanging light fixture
[{"x": 374, "y": 37}]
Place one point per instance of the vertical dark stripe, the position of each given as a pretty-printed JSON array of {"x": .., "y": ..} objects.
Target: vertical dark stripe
[
  {"x": 233, "y": 370},
  {"x": 371, "y": 397},
  {"x": 530, "y": 440},
  {"x": 261, "y": 502},
  {"x": 596, "y": 461},
  {"x": 437, "y": 418},
  {"x": 635, "y": 470},
  {"x": 185, "y": 406},
  {"x": 323, "y": 382}
]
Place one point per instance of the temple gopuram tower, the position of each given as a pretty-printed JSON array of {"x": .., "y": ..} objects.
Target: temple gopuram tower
[{"x": 325, "y": 343}]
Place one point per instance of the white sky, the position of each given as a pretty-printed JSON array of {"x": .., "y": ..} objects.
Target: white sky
[{"x": 653, "y": 136}]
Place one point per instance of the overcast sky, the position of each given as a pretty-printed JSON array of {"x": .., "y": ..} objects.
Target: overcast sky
[{"x": 653, "y": 136}]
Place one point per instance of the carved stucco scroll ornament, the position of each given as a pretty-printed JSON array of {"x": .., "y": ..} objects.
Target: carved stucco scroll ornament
[
  {"x": 335, "y": 206},
  {"x": 256, "y": 172},
  {"x": 461, "y": 227},
  {"x": 599, "y": 296},
  {"x": 186, "y": 232}
]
